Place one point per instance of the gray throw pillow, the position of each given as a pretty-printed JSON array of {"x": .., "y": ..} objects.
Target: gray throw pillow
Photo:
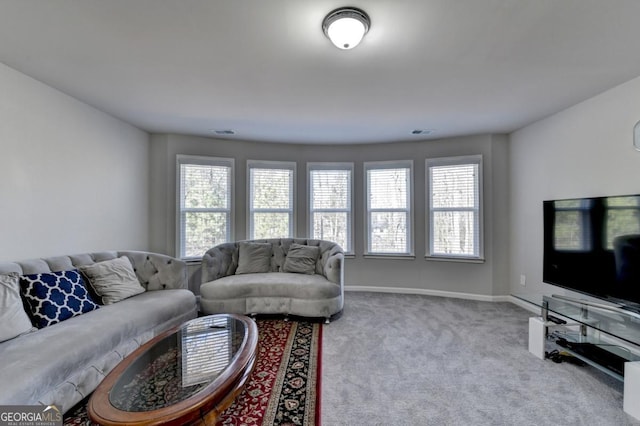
[
  {"x": 113, "y": 280},
  {"x": 301, "y": 259},
  {"x": 253, "y": 257},
  {"x": 14, "y": 321}
]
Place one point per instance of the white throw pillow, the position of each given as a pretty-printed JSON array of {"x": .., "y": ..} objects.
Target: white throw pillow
[
  {"x": 113, "y": 280},
  {"x": 14, "y": 321}
]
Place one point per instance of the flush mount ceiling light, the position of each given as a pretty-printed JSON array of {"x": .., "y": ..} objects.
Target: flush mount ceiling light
[{"x": 345, "y": 27}]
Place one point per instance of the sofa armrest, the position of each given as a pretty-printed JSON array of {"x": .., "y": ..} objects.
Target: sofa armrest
[
  {"x": 158, "y": 271},
  {"x": 219, "y": 261},
  {"x": 333, "y": 268}
]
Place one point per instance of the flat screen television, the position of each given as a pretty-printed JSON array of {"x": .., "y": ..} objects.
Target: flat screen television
[{"x": 592, "y": 246}]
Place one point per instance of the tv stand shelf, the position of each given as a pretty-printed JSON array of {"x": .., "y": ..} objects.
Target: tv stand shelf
[
  {"x": 604, "y": 336},
  {"x": 593, "y": 354}
]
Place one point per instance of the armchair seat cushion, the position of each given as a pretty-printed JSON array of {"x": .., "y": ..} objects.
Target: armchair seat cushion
[{"x": 271, "y": 284}]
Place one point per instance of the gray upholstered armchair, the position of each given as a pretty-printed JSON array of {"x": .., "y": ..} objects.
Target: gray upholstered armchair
[{"x": 274, "y": 276}]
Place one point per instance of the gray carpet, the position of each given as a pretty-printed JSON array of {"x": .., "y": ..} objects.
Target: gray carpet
[{"x": 417, "y": 360}]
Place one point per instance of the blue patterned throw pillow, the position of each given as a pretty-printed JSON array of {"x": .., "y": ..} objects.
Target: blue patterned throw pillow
[{"x": 55, "y": 296}]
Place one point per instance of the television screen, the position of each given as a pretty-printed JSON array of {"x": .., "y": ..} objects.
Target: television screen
[{"x": 592, "y": 245}]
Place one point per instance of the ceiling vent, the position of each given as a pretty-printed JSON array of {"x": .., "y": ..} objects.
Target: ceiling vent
[
  {"x": 422, "y": 131},
  {"x": 225, "y": 132}
]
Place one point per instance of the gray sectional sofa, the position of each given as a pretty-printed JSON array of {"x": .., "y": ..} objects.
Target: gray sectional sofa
[
  {"x": 62, "y": 363},
  {"x": 301, "y": 277}
]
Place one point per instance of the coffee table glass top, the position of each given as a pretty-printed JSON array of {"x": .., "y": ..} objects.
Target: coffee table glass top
[{"x": 180, "y": 365}]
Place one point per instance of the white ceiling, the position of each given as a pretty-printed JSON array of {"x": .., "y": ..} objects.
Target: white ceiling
[{"x": 266, "y": 70}]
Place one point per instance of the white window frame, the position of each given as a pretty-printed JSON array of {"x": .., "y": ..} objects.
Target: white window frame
[
  {"x": 349, "y": 210},
  {"x": 478, "y": 257},
  {"x": 181, "y": 210},
  {"x": 373, "y": 165},
  {"x": 278, "y": 165}
]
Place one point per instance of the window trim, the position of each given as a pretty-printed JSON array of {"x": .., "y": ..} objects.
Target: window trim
[
  {"x": 263, "y": 164},
  {"x": 349, "y": 166},
  {"x": 393, "y": 164},
  {"x": 452, "y": 161},
  {"x": 203, "y": 161}
]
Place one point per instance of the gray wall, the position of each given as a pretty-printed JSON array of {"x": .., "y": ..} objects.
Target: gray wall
[
  {"x": 416, "y": 275},
  {"x": 585, "y": 150},
  {"x": 73, "y": 179}
]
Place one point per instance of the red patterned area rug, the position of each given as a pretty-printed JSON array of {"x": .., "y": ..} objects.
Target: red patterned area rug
[{"x": 284, "y": 388}]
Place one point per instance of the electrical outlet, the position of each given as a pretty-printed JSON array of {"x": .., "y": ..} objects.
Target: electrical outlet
[{"x": 523, "y": 280}]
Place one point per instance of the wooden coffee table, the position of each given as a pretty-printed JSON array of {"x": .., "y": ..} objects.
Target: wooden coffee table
[{"x": 186, "y": 375}]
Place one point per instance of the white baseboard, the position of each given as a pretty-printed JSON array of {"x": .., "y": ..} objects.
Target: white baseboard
[{"x": 427, "y": 292}]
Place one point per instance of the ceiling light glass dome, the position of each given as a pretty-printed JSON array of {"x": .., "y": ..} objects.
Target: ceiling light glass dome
[{"x": 346, "y": 27}]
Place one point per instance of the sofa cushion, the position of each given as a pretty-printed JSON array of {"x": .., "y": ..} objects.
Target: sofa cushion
[
  {"x": 271, "y": 284},
  {"x": 83, "y": 342},
  {"x": 254, "y": 257},
  {"x": 301, "y": 259},
  {"x": 113, "y": 280},
  {"x": 14, "y": 321},
  {"x": 55, "y": 296}
]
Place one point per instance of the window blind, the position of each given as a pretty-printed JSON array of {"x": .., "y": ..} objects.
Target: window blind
[
  {"x": 454, "y": 187},
  {"x": 205, "y": 201},
  {"x": 271, "y": 188},
  {"x": 388, "y": 207},
  {"x": 271, "y": 200},
  {"x": 454, "y": 207},
  {"x": 388, "y": 188},
  {"x": 330, "y": 204},
  {"x": 331, "y": 189}
]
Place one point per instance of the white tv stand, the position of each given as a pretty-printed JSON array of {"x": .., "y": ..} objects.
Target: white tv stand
[{"x": 605, "y": 336}]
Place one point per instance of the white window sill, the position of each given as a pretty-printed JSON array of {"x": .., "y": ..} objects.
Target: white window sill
[
  {"x": 389, "y": 256},
  {"x": 460, "y": 259}
]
